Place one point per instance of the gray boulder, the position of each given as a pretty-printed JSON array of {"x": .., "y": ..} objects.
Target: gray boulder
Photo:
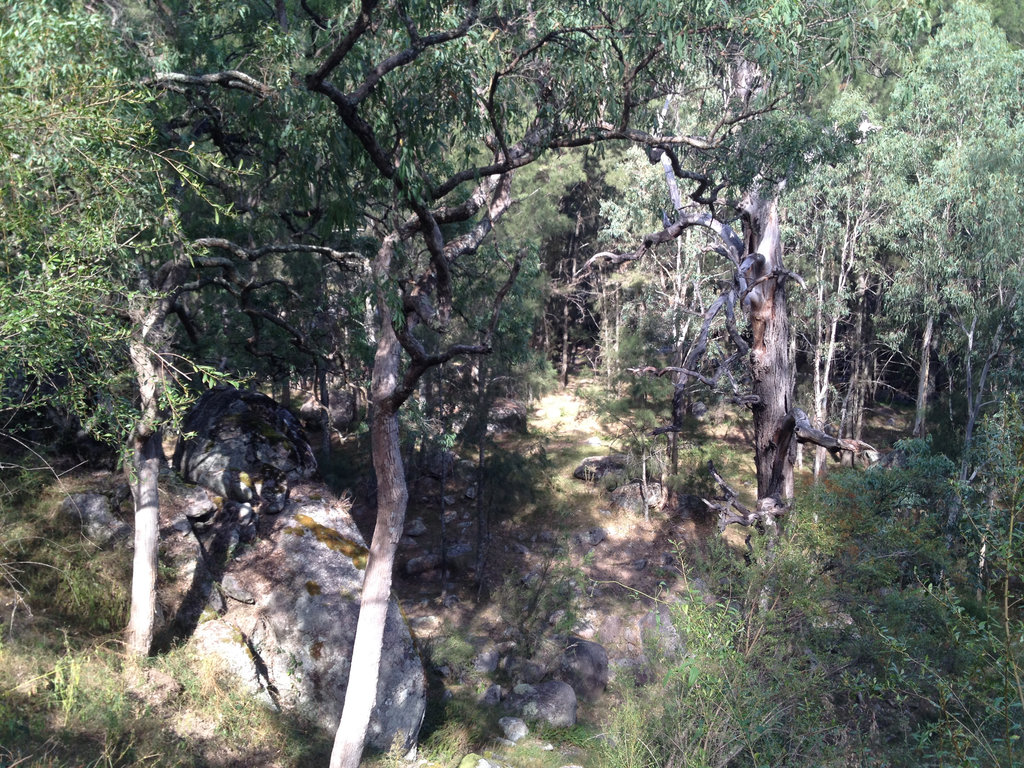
[
  {"x": 585, "y": 667},
  {"x": 506, "y": 416},
  {"x": 552, "y": 702},
  {"x": 244, "y": 447},
  {"x": 92, "y": 511},
  {"x": 513, "y": 728},
  {"x": 631, "y": 498},
  {"x": 594, "y": 468},
  {"x": 304, "y": 578}
]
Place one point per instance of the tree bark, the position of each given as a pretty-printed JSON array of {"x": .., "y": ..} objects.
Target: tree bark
[
  {"x": 923, "y": 377},
  {"x": 392, "y": 499},
  {"x": 769, "y": 354},
  {"x": 148, "y": 453}
]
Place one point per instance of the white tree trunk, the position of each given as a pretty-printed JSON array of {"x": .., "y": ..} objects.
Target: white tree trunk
[
  {"x": 392, "y": 499},
  {"x": 147, "y": 455}
]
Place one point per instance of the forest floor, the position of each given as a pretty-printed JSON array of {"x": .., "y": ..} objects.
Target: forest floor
[
  {"x": 641, "y": 564},
  {"x": 67, "y": 697}
]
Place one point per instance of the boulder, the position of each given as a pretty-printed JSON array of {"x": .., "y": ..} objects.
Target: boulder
[
  {"x": 585, "y": 667},
  {"x": 293, "y": 643},
  {"x": 552, "y": 702},
  {"x": 92, "y": 512},
  {"x": 244, "y": 447},
  {"x": 506, "y": 416},
  {"x": 341, "y": 412},
  {"x": 513, "y": 728},
  {"x": 590, "y": 538},
  {"x": 594, "y": 468},
  {"x": 630, "y": 497}
]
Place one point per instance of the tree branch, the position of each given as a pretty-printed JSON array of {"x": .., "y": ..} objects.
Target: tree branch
[{"x": 232, "y": 79}]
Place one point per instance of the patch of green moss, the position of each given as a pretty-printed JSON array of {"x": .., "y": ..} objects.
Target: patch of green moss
[
  {"x": 334, "y": 540},
  {"x": 313, "y": 588},
  {"x": 208, "y": 614}
]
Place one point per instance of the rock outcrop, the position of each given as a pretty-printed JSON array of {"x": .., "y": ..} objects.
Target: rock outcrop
[
  {"x": 275, "y": 599},
  {"x": 304, "y": 576},
  {"x": 93, "y": 512},
  {"x": 552, "y": 702},
  {"x": 595, "y": 468},
  {"x": 631, "y": 497},
  {"x": 245, "y": 447}
]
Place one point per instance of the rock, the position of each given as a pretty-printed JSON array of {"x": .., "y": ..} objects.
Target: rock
[
  {"x": 552, "y": 702},
  {"x": 630, "y": 497},
  {"x": 585, "y": 667},
  {"x": 231, "y": 587},
  {"x": 92, "y": 512},
  {"x": 595, "y": 536},
  {"x": 198, "y": 504},
  {"x": 245, "y": 447},
  {"x": 486, "y": 661},
  {"x": 224, "y": 643},
  {"x": 657, "y": 625},
  {"x": 416, "y": 527},
  {"x": 294, "y": 644},
  {"x": 474, "y": 760},
  {"x": 471, "y": 492},
  {"x": 513, "y": 728},
  {"x": 341, "y": 412},
  {"x": 492, "y": 696},
  {"x": 633, "y": 669},
  {"x": 525, "y": 671},
  {"x": 506, "y": 416},
  {"x": 595, "y": 468}
]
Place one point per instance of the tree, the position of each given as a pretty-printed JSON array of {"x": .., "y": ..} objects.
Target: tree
[
  {"x": 447, "y": 102},
  {"x": 955, "y": 139},
  {"x": 83, "y": 200},
  {"x": 838, "y": 223}
]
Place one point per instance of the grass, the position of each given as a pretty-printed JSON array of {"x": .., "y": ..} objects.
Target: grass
[{"x": 67, "y": 698}]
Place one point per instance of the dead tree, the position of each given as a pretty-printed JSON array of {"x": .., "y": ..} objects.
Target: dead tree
[{"x": 758, "y": 288}]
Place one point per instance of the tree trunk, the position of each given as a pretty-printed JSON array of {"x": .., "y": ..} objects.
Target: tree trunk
[
  {"x": 774, "y": 451},
  {"x": 148, "y": 453},
  {"x": 392, "y": 498},
  {"x": 923, "y": 377}
]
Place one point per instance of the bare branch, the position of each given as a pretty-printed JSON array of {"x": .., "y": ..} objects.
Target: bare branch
[{"x": 232, "y": 79}]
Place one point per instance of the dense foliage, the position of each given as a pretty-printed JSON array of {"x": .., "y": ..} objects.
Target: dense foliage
[{"x": 327, "y": 199}]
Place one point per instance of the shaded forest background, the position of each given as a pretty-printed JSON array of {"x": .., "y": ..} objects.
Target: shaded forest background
[{"x": 280, "y": 195}]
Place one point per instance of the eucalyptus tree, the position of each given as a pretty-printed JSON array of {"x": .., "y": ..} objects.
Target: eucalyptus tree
[
  {"x": 734, "y": 197},
  {"x": 446, "y": 102},
  {"x": 955, "y": 141},
  {"x": 433, "y": 108},
  {"x": 84, "y": 206},
  {"x": 838, "y": 223}
]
